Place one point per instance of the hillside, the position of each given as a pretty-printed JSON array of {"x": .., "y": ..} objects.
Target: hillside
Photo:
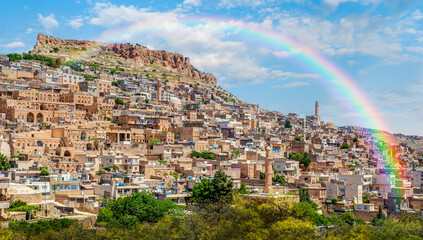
[{"x": 133, "y": 57}]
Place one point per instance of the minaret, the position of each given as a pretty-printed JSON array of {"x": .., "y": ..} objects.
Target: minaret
[
  {"x": 316, "y": 109},
  {"x": 159, "y": 92},
  {"x": 268, "y": 171}
]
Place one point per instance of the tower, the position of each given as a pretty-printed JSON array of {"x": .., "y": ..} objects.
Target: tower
[
  {"x": 316, "y": 109},
  {"x": 268, "y": 171},
  {"x": 159, "y": 92}
]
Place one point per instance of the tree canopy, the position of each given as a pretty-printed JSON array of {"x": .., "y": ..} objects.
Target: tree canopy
[
  {"x": 135, "y": 208},
  {"x": 4, "y": 163},
  {"x": 288, "y": 124},
  {"x": 218, "y": 189},
  {"x": 345, "y": 146},
  {"x": 300, "y": 157},
  {"x": 205, "y": 154}
]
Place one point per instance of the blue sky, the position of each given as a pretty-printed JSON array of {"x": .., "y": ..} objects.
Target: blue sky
[{"x": 378, "y": 43}]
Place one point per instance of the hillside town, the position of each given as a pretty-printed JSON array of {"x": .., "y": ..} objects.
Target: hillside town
[{"x": 77, "y": 136}]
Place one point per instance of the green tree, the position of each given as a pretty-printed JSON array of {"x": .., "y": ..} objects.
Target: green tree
[
  {"x": 243, "y": 188},
  {"x": 304, "y": 195},
  {"x": 292, "y": 229},
  {"x": 219, "y": 189},
  {"x": 279, "y": 179},
  {"x": 152, "y": 142},
  {"x": 288, "y": 124},
  {"x": 262, "y": 175},
  {"x": 137, "y": 207},
  {"x": 44, "y": 172},
  {"x": 297, "y": 138},
  {"x": 205, "y": 154},
  {"x": 112, "y": 71},
  {"x": 4, "y": 163},
  {"x": 355, "y": 139},
  {"x": 345, "y": 146},
  {"x": 300, "y": 157},
  {"x": 119, "y": 101},
  {"x": 21, "y": 206},
  {"x": 116, "y": 83}
]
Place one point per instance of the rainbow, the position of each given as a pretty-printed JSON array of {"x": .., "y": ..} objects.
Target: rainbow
[{"x": 334, "y": 75}]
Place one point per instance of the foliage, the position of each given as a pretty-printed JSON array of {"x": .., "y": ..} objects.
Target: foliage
[
  {"x": 119, "y": 101},
  {"x": 116, "y": 83},
  {"x": 4, "y": 163},
  {"x": 288, "y": 124},
  {"x": 243, "y": 188},
  {"x": 152, "y": 142},
  {"x": 205, "y": 154},
  {"x": 304, "y": 196},
  {"x": 40, "y": 226},
  {"x": 74, "y": 65},
  {"x": 355, "y": 139},
  {"x": 279, "y": 179},
  {"x": 345, "y": 146},
  {"x": 366, "y": 197},
  {"x": 297, "y": 138},
  {"x": 46, "y": 60},
  {"x": 111, "y": 168},
  {"x": 235, "y": 153},
  {"x": 262, "y": 175},
  {"x": 137, "y": 207},
  {"x": 112, "y": 71},
  {"x": 300, "y": 157},
  {"x": 245, "y": 218},
  {"x": 219, "y": 189},
  {"x": 21, "y": 206},
  {"x": 88, "y": 78},
  {"x": 44, "y": 172},
  {"x": 175, "y": 175}
]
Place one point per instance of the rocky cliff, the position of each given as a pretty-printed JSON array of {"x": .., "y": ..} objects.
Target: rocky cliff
[{"x": 134, "y": 55}]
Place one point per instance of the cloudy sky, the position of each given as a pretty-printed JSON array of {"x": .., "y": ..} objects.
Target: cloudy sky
[{"x": 378, "y": 43}]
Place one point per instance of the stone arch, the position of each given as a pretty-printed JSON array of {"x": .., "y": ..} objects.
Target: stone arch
[
  {"x": 30, "y": 117},
  {"x": 83, "y": 135},
  {"x": 40, "y": 118},
  {"x": 40, "y": 143},
  {"x": 89, "y": 146},
  {"x": 67, "y": 153}
]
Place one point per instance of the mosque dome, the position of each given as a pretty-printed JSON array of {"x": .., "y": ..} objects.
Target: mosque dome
[
  {"x": 175, "y": 101},
  {"x": 330, "y": 124}
]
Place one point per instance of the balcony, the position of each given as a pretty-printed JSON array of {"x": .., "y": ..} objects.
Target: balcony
[
  {"x": 4, "y": 205},
  {"x": 4, "y": 182}
]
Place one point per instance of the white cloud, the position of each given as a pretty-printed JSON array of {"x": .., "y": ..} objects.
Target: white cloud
[
  {"x": 76, "y": 23},
  {"x": 110, "y": 15},
  {"x": 238, "y": 3},
  {"x": 335, "y": 3},
  {"x": 29, "y": 30},
  {"x": 15, "y": 45},
  {"x": 293, "y": 84},
  {"x": 281, "y": 54},
  {"x": 49, "y": 22},
  {"x": 205, "y": 44},
  {"x": 195, "y": 3},
  {"x": 363, "y": 35},
  {"x": 291, "y": 75},
  {"x": 415, "y": 49}
]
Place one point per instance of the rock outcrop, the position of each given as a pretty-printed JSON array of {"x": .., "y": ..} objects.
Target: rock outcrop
[{"x": 137, "y": 55}]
